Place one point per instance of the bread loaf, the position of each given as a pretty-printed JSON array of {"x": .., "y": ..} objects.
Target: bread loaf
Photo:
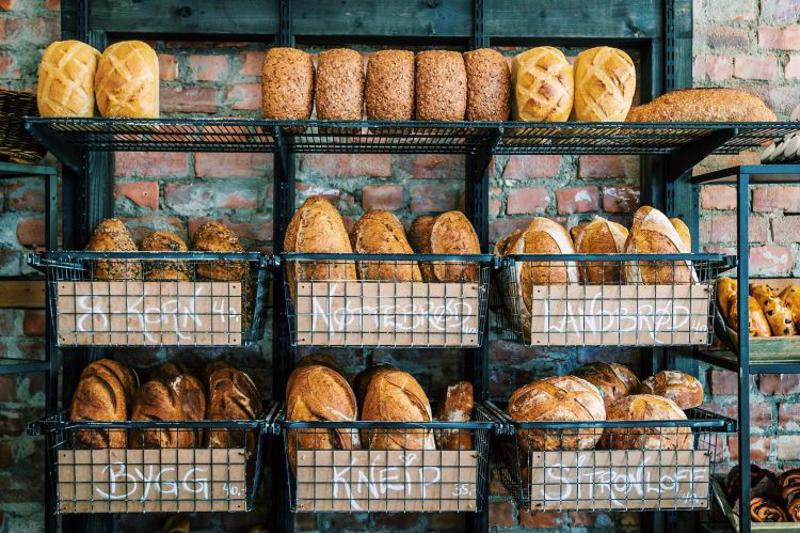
[
  {"x": 340, "y": 85},
  {"x": 125, "y": 375},
  {"x": 791, "y": 298},
  {"x": 653, "y": 233},
  {"x": 321, "y": 359},
  {"x": 362, "y": 379},
  {"x": 419, "y": 234},
  {"x": 683, "y": 389},
  {"x": 168, "y": 371},
  {"x": 99, "y": 397},
  {"x": 601, "y": 236},
  {"x": 214, "y": 236},
  {"x": 320, "y": 394},
  {"x": 646, "y": 407},
  {"x": 126, "y": 83},
  {"x": 66, "y": 80},
  {"x": 703, "y": 105},
  {"x": 394, "y": 395},
  {"x": 757, "y": 321},
  {"x": 111, "y": 235},
  {"x": 488, "y": 85},
  {"x": 180, "y": 398},
  {"x": 779, "y": 317},
  {"x": 441, "y": 86},
  {"x": 390, "y": 85},
  {"x": 448, "y": 233},
  {"x": 379, "y": 232},
  {"x": 726, "y": 289},
  {"x": 686, "y": 236},
  {"x": 612, "y": 379},
  {"x": 501, "y": 246},
  {"x": 165, "y": 241},
  {"x": 605, "y": 81},
  {"x": 761, "y": 292},
  {"x": 232, "y": 396},
  {"x": 211, "y": 367},
  {"x": 458, "y": 404},
  {"x": 557, "y": 399},
  {"x": 544, "y": 87},
  {"x": 287, "y": 84}
]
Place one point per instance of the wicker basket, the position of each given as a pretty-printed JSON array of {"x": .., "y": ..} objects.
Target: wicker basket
[{"x": 15, "y": 143}]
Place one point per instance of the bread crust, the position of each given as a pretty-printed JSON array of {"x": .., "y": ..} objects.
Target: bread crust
[
  {"x": 646, "y": 407},
  {"x": 100, "y": 397},
  {"x": 363, "y": 378},
  {"x": 544, "y": 86},
  {"x": 287, "y": 84},
  {"x": 613, "y": 380},
  {"x": 232, "y": 396},
  {"x": 340, "y": 84},
  {"x": 791, "y": 298},
  {"x": 419, "y": 234},
  {"x": 686, "y": 235},
  {"x": 111, "y": 235},
  {"x": 653, "y": 233},
  {"x": 179, "y": 398},
  {"x": 214, "y": 236},
  {"x": 126, "y": 82},
  {"x": 66, "y": 80},
  {"x": 390, "y": 85},
  {"x": 379, "y": 232},
  {"x": 704, "y": 105},
  {"x": 601, "y": 236},
  {"x": 488, "y": 85},
  {"x": 605, "y": 82},
  {"x": 726, "y": 289},
  {"x": 124, "y": 374},
  {"x": 683, "y": 389},
  {"x": 441, "y": 85},
  {"x": 781, "y": 323},
  {"x": 459, "y": 401},
  {"x": 452, "y": 233},
  {"x": 165, "y": 241},
  {"x": 757, "y": 321}
]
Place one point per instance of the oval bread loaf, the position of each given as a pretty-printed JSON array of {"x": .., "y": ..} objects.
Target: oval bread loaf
[
  {"x": 179, "y": 398},
  {"x": 447, "y": 233},
  {"x": 100, "y": 397},
  {"x": 601, "y": 236},
  {"x": 340, "y": 85},
  {"x": 605, "y": 82},
  {"x": 111, "y": 235},
  {"x": 126, "y": 82},
  {"x": 457, "y": 407},
  {"x": 165, "y": 241},
  {"x": 726, "y": 289},
  {"x": 441, "y": 85},
  {"x": 389, "y": 89},
  {"x": 287, "y": 84},
  {"x": 683, "y": 389},
  {"x": 362, "y": 379},
  {"x": 214, "y": 236},
  {"x": 232, "y": 395},
  {"x": 488, "y": 85},
  {"x": 653, "y": 233},
  {"x": 779, "y": 317},
  {"x": 646, "y": 407},
  {"x": 612, "y": 379},
  {"x": 379, "y": 232},
  {"x": 704, "y": 105},
  {"x": 544, "y": 87},
  {"x": 791, "y": 298},
  {"x": 66, "y": 80}
]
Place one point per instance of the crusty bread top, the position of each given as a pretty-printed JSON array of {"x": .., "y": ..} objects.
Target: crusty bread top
[
  {"x": 379, "y": 232},
  {"x": 124, "y": 374},
  {"x": 214, "y": 236},
  {"x": 66, "y": 80},
  {"x": 543, "y": 85},
  {"x": 232, "y": 396},
  {"x": 166, "y": 241},
  {"x": 320, "y": 393},
  {"x": 652, "y": 232},
  {"x": 127, "y": 81},
  {"x": 704, "y": 105},
  {"x": 601, "y": 236},
  {"x": 419, "y": 234},
  {"x": 612, "y": 379},
  {"x": 458, "y": 403},
  {"x": 644, "y": 407},
  {"x": 317, "y": 227},
  {"x": 683, "y": 230},
  {"x": 452, "y": 233},
  {"x": 683, "y": 389},
  {"x": 111, "y": 235},
  {"x": 557, "y": 398},
  {"x": 394, "y": 395},
  {"x": 605, "y": 82}
]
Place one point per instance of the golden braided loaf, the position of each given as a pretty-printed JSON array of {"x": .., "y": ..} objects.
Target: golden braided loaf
[
  {"x": 126, "y": 84},
  {"x": 66, "y": 80},
  {"x": 605, "y": 80}
]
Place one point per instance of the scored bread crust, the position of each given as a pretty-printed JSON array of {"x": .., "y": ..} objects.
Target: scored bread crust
[
  {"x": 100, "y": 397},
  {"x": 287, "y": 84},
  {"x": 419, "y": 234},
  {"x": 452, "y": 233},
  {"x": 646, "y": 407},
  {"x": 390, "y": 81},
  {"x": 127, "y": 81},
  {"x": 605, "y": 82},
  {"x": 179, "y": 398},
  {"x": 601, "y": 236},
  {"x": 232, "y": 396},
  {"x": 66, "y": 80},
  {"x": 124, "y": 374},
  {"x": 488, "y": 85},
  {"x": 441, "y": 85},
  {"x": 704, "y": 105},
  {"x": 544, "y": 88},
  {"x": 683, "y": 389},
  {"x": 379, "y": 232},
  {"x": 613, "y": 380},
  {"x": 653, "y": 233},
  {"x": 686, "y": 235}
]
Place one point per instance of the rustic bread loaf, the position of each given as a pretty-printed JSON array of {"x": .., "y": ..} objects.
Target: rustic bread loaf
[
  {"x": 165, "y": 241},
  {"x": 605, "y": 81},
  {"x": 340, "y": 85},
  {"x": 502, "y": 244},
  {"x": 653, "y": 233},
  {"x": 791, "y": 298},
  {"x": 321, "y": 359},
  {"x": 726, "y": 289},
  {"x": 126, "y": 82},
  {"x": 779, "y": 317},
  {"x": 111, "y": 235},
  {"x": 757, "y": 321},
  {"x": 441, "y": 85},
  {"x": 458, "y": 404},
  {"x": 287, "y": 84},
  {"x": 683, "y": 389},
  {"x": 419, "y": 234},
  {"x": 168, "y": 370},
  {"x": 214, "y": 236},
  {"x": 124, "y": 374},
  {"x": 394, "y": 395},
  {"x": 320, "y": 394},
  {"x": 100, "y": 397},
  {"x": 66, "y": 80},
  {"x": 362, "y": 379},
  {"x": 390, "y": 85},
  {"x": 447, "y": 233},
  {"x": 557, "y": 399},
  {"x": 179, "y": 398},
  {"x": 601, "y": 236},
  {"x": 612, "y": 379},
  {"x": 761, "y": 292},
  {"x": 646, "y": 407},
  {"x": 703, "y": 105},
  {"x": 232, "y": 396},
  {"x": 686, "y": 235},
  {"x": 379, "y": 232},
  {"x": 488, "y": 85},
  {"x": 544, "y": 88},
  {"x": 211, "y": 367}
]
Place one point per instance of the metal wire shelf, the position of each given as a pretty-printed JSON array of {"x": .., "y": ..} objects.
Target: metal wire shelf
[
  {"x": 607, "y": 299},
  {"x": 388, "y": 466},
  {"x": 419, "y": 300},
  {"x": 610, "y": 465},
  {"x": 155, "y": 298},
  {"x": 206, "y": 475}
]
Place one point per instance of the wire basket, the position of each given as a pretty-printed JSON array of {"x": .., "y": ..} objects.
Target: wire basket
[
  {"x": 154, "y": 466},
  {"x": 357, "y": 300},
  {"x": 155, "y": 298},
  {"x": 607, "y": 299},
  {"x": 16, "y": 144},
  {"x": 610, "y": 465},
  {"x": 388, "y": 466}
]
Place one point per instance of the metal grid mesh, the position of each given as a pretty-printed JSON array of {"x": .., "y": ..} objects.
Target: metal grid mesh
[
  {"x": 355, "y": 300},
  {"x": 155, "y": 298},
  {"x": 115, "y": 467},
  {"x": 607, "y": 299},
  {"x": 388, "y": 466}
]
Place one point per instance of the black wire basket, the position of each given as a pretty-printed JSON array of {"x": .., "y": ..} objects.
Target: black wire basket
[
  {"x": 607, "y": 299},
  {"x": 154, "y": 466},
  {"x": 357, "y": 300},
  {"x": 155, "y": 298},
  {"x": 610, "y": 465},
  {"x": 365, "y": 466}
]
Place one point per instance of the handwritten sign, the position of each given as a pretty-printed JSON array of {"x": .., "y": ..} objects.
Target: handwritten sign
[
  {"x": 175, "y": 480},
  {"x": 579, "y": 315},
  {"x": 373, "y": 480},
  {"x": 149, "y": 313},
  {"x": 393, "y": 313},
  {"x": 619, "y": 479}
]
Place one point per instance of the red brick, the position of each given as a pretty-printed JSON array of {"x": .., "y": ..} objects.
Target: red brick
[
  {"x": 167, "y": 67},
  {"x": 577, "y": 200},
  {"x": 770, "y": 384},
  {"x": 789, "y": 416},
  {"x": 433, "y": 166},
  {"x": 53, "y": 5},
  {"x": 151, "y": 164},
  {"x": 229, "y": 165},
  {"x": 754, "y": 67},
  {"x": 258, "y": 229},
  {"x": 620, "y": 199},
  {"x": 787, "y": 38},
  {"x": 724, "y": 37},
  {"x": 792, "y": 69},
  {"x": 25, "y": 196},
  {"x": 8, "y": 388},
  {"x": 189, "y": 100},
  {"x": 244, "y": 96},
  {"x": 783, "y": 197},
  {"x": 770, "y": 260},
  {"x": 582, "y": 519},
  {"x": 788, "y": 448},
  {"x": 208, "y": 67},
  {"x": 433, "y": 199},
  {"x": 389, "y": 197},
  {"x": 718, "y": 197},
  {"x": 528, "y": 200},
  {"x": 142, "y": 226},
  {"x": 141, "y": 193},
  {"x": 495, "y": 202},
  {"x": 715, "y": 68},
  {"x": 30, "y": 232},
  {"x": 723, "y": 229},
  {"x": 531, "y": 166},
  {"x": 188, "y": 199},
  {"x": 759, "y": 448},
  {"x": 11, "y": 424},
  {"x": 8, "y": 67},
  {"x": 723, "y": 382},
  {"x": 549, "y": 520},
  {"x": 346, "y": 165},
  {"x": 33, "y": 323},
  {"x": 252, "y": 62},
  {"x": 608, "y": 166},
  {"x": 786, "y": 230},
  {"x": 36, "y": 30},
  {"x": 501, "y": 514}
]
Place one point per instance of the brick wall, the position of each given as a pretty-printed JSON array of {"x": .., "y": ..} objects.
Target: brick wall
[{"x": 740, "y": 43}]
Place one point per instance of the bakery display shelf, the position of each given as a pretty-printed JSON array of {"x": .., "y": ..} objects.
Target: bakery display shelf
[
  {"x": 382, "y": 466},
  {"x": 11, "y": 366},
  {"x": 733, "y": 517},
  {"x": 388, "y": 300},
  {"x": 583, "y": 300},
  {"x": 154, "y": 465},
  {"x": 639, "y": 465},
  {"x": 756, "y": 174},
  {"x": 155, "y": 298}
]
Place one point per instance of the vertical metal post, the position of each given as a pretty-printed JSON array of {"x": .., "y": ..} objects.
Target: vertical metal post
[{"x": 743, "y": 276}]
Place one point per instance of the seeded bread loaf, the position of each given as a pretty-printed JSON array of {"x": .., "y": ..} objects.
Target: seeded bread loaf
[
  {"x": 704, "y": 105},
  {"x": 214, "y": 236},
  {"x": 165, "y": 241},
  {"x": 340, "y": 85},
  {"x": 488, "y": 85},
  {"x": 287, "y": 84},
  {"x": 111, "y": 235},
  {"x": 390, "y": 85},
  {"x": 441, "y": 85}
]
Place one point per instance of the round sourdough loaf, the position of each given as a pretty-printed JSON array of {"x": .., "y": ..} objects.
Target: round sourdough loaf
[
  {"x": 605, "y": 81},
  {"x": 543, "y": 85},
  {"x": 232, "y": 396},
  {"x": 613, "y": 380},
  {"x": 287, "y": 84},
  {"x": 66, "y": 80},
  {"x": 389, "y": 89},
  {"x": 126, "y": 82},
  {"x": 340, "y": 85},
  {"x": 379, "y": 232},
  {"x": 646, "y": 407},
  {"x": 683, "y": 389},
  {"x": 102, "y": 396},
  {"x": 441, "y": 85},
  {"x": 488, "y": 85},
  {"x": 447, "y": 233}
]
